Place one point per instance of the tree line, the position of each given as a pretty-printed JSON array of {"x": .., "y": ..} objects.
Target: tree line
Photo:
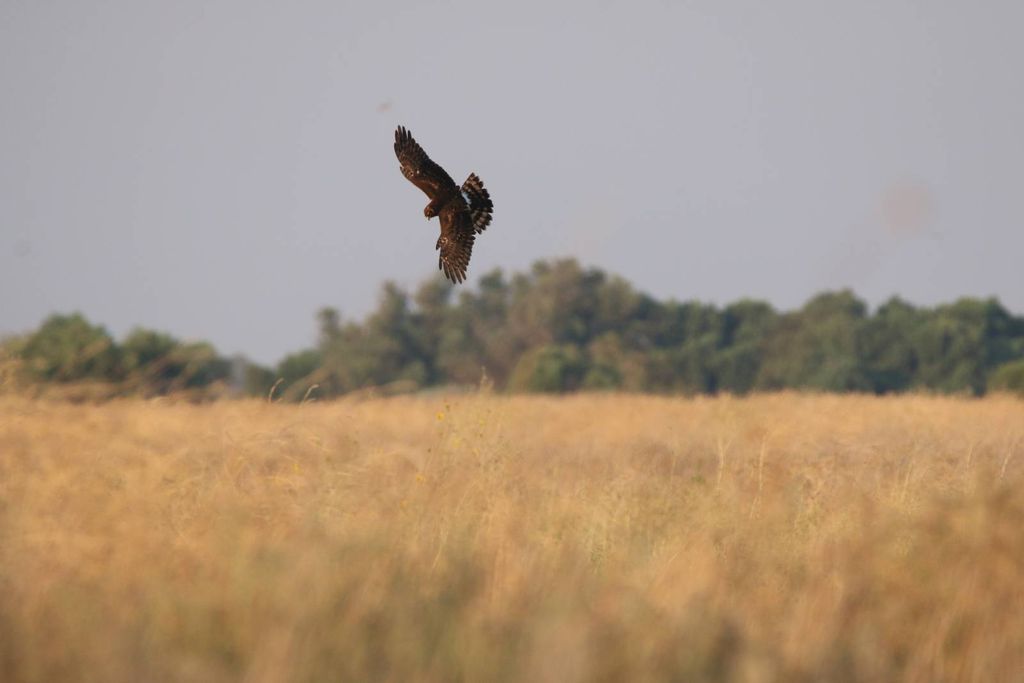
[{"x": 561, "y": 328}]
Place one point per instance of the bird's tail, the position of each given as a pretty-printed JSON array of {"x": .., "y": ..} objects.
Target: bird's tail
[{"x": 480, "y": 206}]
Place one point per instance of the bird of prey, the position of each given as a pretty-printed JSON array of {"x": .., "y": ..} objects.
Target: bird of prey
[{"x": 464, "y": 211}]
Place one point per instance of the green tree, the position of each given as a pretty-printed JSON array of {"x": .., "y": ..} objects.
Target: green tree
[
  {"x": 960, "y": 343},
  {"x": 387, "y": 348},
  {"x": 478, "y": 334},
  {"x": 746, "y": 327},
  {"x": 67, "y": 348},
  {"x": 199, "y": 365},
  {"x": 156, "y": 363},
  {"x": 611, "y": 365},
  {"x": 429, "y": 322},
  {"x": 258, "y": 379},
  {"x": 552, "y": 368},
  {"x": 818, "y": 347},
  {"x": 299, "y": 368},
  {"x": 147, "y": 360},
  {"x": 1008, "y": 377},
  {"x": 888, "y": 346},
  {"x": 328, "y": 326}
]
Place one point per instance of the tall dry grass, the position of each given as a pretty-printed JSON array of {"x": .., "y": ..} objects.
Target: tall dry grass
[{"x": 480, "y": 538}]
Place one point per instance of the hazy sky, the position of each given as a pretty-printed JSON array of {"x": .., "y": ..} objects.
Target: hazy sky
[{"x": 221, "y": 170}]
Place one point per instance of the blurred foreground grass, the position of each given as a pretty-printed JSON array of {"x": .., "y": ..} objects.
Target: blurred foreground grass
[{"x": 480, "y": 538}]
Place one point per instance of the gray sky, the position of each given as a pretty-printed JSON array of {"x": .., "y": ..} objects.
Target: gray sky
[{"x": 221, "y": 170}]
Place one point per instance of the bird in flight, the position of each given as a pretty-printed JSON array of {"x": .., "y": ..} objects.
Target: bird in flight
[{"x": 464, "y": 211}]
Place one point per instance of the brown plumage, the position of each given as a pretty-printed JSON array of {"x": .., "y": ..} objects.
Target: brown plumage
[{"x": 464, "y": 212}]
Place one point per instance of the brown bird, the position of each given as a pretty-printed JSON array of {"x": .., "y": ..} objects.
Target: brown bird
[{"x": 465, "y": 212}]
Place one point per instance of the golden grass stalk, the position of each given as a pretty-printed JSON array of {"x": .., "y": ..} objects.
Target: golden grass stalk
[{"x": 481, "y": 538}]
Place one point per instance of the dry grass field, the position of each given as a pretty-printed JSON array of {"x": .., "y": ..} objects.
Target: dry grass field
[{"x": 485, "y": 538}]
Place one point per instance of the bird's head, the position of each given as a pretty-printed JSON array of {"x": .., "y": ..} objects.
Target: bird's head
[{"x": 429, "y": 212}]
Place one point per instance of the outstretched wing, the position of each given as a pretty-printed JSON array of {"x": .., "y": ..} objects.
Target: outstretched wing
[
  {"x": 417, "y": 166},
  {"x": 456, "y": 241}
]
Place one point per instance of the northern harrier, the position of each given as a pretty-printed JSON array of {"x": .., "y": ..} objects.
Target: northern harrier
[{"x": 465, "y": 212}]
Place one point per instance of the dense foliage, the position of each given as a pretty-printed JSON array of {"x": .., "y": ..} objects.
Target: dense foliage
[
  {"x": 68, "y": 349},
  {"x": 561, "y": 328}
]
